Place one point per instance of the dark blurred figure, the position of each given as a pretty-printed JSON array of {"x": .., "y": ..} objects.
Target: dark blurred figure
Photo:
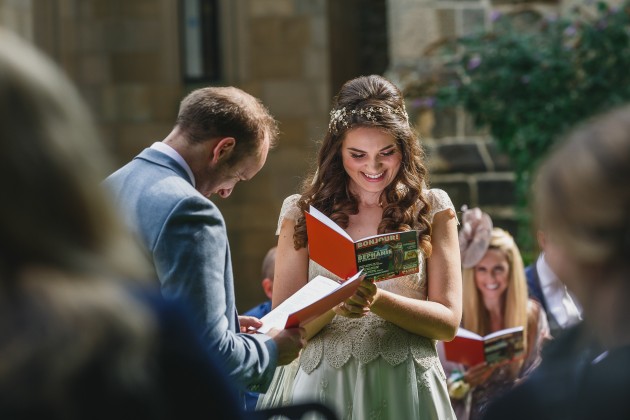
[
  {"x": 82, "y": 336},
  {"x": 583, "y": 198}
]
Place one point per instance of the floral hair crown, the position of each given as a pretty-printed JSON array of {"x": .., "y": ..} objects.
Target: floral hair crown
[{"x": 372, "y": 113}]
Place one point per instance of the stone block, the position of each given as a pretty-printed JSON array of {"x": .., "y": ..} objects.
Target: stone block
[
  {"x": 94, "y": 69},
  {"x": 458, "y": 191},
  {"x": 319, "y": 32},
  {"x": 91, "y": 95},
  {"x": 505, "y": 223},
  {"x": 260, "y": 217},
  {"x": 289, "y": 183},
  {"x": 107, "y": 107},
  {"x": 90, "y": 36},
  {"x": 293, "y": 133},
  {"x": 474, "y": 20},
  {"x": 165, "y": 99},
  {"x": 416, "y": 28},
  {"x": 256, "y": 190},
  {"x": 424, "y": 122},
  {"x": 311, "y": 7},
  {"x": 71, "y": 37},
  {"x": 135, "y": 35},
  {"x": 100, "y": 9},
  {"x": 128, "y": 103},
  {"x": 501, "y": 160},
  {"x": 66, "y": 9},
  {"x": 290, "y": 98},
  {"x": 463, "y": 158},
  {"x": 138, "y": 67},
  {"x": 276, "y": 64},
  {"x": 133, "y": 138},
  {"x": 140, "y": 9},
  {"x": 445, "y": 123},
  {"x": 446, "y": 19},
  {"x": 135, "y": 103},
  {"x": 496, "y": 193},
  {"x": 521, "y": 2},
  {"x": 16, "y": 17},
  {"x": 471, "y": 129},
  {"x": 280, "y": 35},
  {"x": 317, "y": 127},
  {"x": 266, "y": 8},
  {"x": 316, "y": 64}
]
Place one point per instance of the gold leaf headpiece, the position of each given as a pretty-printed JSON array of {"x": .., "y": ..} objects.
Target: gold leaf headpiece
[{"x": 371, "y": 113}]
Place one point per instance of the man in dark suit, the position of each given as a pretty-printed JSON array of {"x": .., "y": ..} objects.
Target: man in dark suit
[
  {"x": 544, "y": 285},
  {"x": 222, "y": 136}
]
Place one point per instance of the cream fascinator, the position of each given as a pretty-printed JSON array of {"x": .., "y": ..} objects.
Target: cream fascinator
[{"x": 474, "y": 236}]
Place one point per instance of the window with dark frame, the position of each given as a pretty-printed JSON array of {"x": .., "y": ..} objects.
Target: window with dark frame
[
  {"x": 359, "y": 44},
  {"x": 200, "y": 41}
]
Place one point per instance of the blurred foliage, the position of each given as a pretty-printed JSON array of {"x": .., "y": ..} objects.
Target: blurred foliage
[{"x": 528, "y": 86}]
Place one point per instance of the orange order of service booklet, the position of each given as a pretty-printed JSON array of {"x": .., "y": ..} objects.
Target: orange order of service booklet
[
  {"x": 381, "y": 257},
  {"x": 310, "y": 307},
  {"x": 470, "y": 349}
]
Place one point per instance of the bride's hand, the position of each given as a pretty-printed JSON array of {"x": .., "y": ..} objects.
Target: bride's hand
[{"x": 358, "y": 305}]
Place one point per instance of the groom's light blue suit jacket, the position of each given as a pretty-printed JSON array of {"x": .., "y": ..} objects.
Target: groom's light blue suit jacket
[{"x": 185, "y": 236}]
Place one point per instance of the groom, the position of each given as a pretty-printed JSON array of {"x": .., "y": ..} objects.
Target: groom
[{"x": 221, "y": 137}]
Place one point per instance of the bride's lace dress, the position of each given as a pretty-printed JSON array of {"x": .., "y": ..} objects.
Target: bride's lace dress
[{"x": 368, "y": 368}]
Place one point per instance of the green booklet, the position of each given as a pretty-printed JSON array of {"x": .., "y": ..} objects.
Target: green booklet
[{"x": 381, "y": 257}]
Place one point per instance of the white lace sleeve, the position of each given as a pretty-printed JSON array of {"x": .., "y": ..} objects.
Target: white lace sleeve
[
  {"x": 439, "y": 201},
  {"x": 289, "y": 210}
]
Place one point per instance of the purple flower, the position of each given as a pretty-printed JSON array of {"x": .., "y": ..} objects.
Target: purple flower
[
  {"x": 474, "y": 62},
  {"x": 429, "y": 102},
  {"x": 495, "y": 15},
  {"x": 424, "y": 102},
  {"x": 551, "y": 18},
  {"x": 525, "y": 79},
  {"x": 570, "y": 30}
]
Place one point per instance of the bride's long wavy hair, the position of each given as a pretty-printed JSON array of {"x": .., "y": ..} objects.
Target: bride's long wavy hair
[{"x": 327, "y": 188}]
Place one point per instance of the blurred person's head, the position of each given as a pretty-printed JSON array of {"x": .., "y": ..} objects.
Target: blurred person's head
[
  {"x": 492, "y": 272},
  {"x": 583, "y": 203},
  {"x": 230, "y": 133},
  {"x": 53, "y": 212},
  {"x": 268, "y": 270},
  {"x": 64, "y": 254}
]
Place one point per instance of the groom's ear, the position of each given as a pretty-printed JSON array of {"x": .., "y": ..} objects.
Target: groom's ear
[{"x": 222, "y": 149}]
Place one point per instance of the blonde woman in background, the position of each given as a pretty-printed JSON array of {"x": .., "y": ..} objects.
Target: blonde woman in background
[
  {"x": 82, "y": 335},
  {"x": 495, "y": 298},
  {"x": 582, "y": 196}
]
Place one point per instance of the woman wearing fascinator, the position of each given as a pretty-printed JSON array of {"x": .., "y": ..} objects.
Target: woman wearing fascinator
[
  {"x": 377, "y": 358},
  {"x": 495, "y": 298}
]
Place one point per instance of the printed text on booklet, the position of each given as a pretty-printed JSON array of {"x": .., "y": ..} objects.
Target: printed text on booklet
[
  {"x": 471, "y": 349},
  {"x": 381, "y": 257}
]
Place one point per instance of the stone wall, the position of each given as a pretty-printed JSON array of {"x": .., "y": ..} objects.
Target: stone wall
[
  {"x": 284, "y": 61},
  {"x": 462, "y": 158},
  {"x": 17, "y": 16},
  {"x": 125, "y": 57}
]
